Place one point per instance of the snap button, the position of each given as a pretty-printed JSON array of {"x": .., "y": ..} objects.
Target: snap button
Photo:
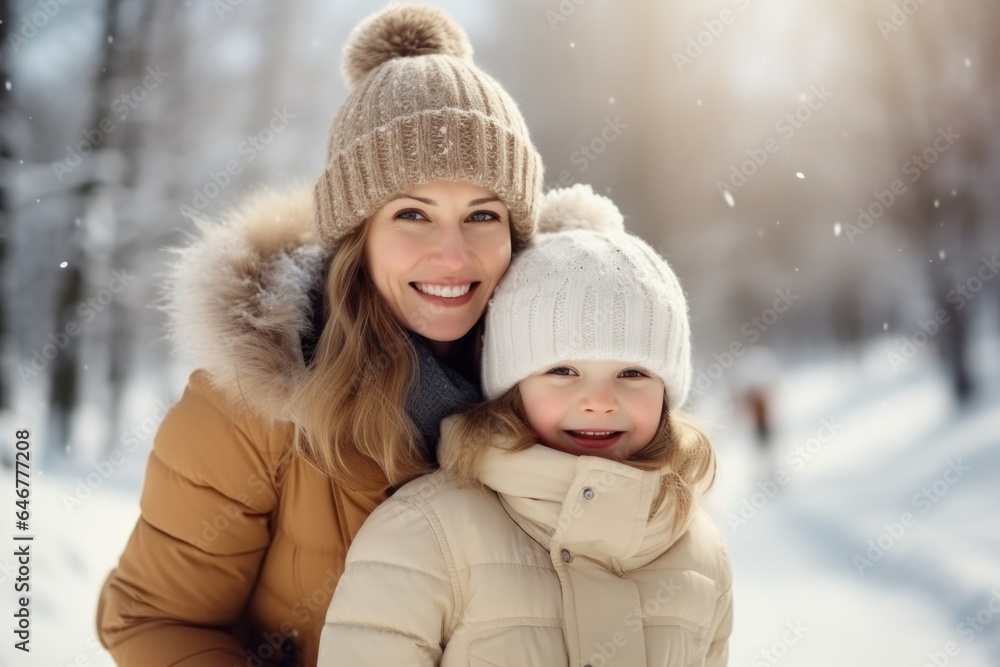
[
  {"x": 566, "y": 555},
  {"x": 588, "y": 493}
]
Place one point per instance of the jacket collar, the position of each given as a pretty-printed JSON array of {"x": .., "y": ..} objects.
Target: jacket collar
[
  {"x": 587, "y": 505},
  {"x": 244, "y": 300}
]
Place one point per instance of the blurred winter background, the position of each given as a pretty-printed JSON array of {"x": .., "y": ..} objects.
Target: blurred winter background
[{"x": 822, "y": 175}]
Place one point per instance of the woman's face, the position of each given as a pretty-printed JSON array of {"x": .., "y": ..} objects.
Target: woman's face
[{"x": 435, "y": 254}]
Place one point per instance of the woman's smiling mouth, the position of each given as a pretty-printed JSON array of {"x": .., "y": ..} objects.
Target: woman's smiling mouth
[{"x": 446, "y": 295}]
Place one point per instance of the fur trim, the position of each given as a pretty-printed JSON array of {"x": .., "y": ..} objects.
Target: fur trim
[
  {"x": 578, "y": 207},
  {"x": 238, "y": 298},
  {"x": 400, "y": 31}
]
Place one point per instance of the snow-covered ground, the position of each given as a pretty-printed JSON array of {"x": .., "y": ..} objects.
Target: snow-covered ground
[{"x": 875, "y": 544}]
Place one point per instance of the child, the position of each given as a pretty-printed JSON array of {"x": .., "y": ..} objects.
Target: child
[{"x": 563, "y": 527}]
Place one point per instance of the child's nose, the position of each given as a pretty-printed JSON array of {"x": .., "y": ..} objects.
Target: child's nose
[{"x": 599, "y": 402}]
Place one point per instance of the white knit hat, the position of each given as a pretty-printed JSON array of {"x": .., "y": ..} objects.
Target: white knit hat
[{"x": 584, "y": 289}]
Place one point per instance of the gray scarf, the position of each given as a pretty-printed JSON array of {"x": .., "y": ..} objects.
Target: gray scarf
[{"x": 440, "y": 391}]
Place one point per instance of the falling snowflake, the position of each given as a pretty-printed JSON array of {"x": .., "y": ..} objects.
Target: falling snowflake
[
  {"x": 836, "y": 229},
  {"x": 885, "y": 326},
  {"x": 937, "y": 203},
  {"x": 728, "y": 196},
  {"x": 63, "y": 265},
  {"x": 941, "y": 253},
  {"x": 800, "y": 174}
]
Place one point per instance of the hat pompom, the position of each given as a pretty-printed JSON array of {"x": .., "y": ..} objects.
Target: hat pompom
[
  {"x": 400, "y": 31},
  {"x": 578, "y": 207}
]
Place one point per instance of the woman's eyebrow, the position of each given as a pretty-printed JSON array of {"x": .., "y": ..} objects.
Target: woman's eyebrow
[{"x": 431, "y": 202}]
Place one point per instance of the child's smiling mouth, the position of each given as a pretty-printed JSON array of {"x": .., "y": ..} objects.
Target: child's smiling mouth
[{"x": 593, "y": 438}]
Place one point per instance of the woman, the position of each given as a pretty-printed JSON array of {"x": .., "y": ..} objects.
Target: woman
[{"x": 333, "y": 330}]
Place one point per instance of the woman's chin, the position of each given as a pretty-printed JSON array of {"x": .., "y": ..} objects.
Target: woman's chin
[{"x": 445, "y": 332}]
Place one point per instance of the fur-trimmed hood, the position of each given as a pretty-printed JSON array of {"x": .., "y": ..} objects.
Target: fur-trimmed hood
[{"x": 244, "y": 299}]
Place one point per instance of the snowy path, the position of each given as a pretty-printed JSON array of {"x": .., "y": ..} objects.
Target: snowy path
[{"x": 804, "y": 559}]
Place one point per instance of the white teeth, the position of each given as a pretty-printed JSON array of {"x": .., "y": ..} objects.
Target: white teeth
[
  {"x": 595, "y": 433},
  {"x": 446, "y": 291}
]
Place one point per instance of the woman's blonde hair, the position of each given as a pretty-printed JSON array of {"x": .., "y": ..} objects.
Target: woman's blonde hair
[
  {"x": 350, "y": 416},
  {"x": 679, "y": 448}
]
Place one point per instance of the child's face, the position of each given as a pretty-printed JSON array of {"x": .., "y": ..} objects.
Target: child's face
[{"x": 567, "y": 403}]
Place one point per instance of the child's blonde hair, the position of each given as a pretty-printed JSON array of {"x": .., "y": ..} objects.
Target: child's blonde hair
[{"x": 679, "y": 448}]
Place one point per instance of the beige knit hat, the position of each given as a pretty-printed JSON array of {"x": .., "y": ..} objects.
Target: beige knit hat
[
  {"x": 586, "y": 289},
  {"x": 420, "y": 111}
]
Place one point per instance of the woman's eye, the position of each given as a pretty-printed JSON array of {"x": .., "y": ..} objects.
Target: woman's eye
[
  {"x": 484, "y": 216},
  {"x": 561, "y": 370},
  {"x": 634, "y": 373},
  {"x": 410, "y": 215}
]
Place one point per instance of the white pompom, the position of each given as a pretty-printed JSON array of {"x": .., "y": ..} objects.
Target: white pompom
[{"x": 578, "y": 207}]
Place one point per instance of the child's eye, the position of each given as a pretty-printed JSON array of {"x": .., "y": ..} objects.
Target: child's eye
[
  {"x": 561, "y": 370},
  {"x": 410, "y": 214},
  {"x": 634, "y": 373},
  {"x": 484, "y": 216}
]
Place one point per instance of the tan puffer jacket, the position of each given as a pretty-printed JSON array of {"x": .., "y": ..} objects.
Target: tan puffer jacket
[
  {"x": 240, "y": 544},
  {"x": 560, "y": 565}
]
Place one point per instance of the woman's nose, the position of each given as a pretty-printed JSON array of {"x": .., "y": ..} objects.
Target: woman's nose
[{"x": 451, "y": 250}]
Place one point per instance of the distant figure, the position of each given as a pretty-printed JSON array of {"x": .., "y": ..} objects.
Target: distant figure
[
  {"x": 755, "y": 379},
  {"x": 757, "y": 401}
]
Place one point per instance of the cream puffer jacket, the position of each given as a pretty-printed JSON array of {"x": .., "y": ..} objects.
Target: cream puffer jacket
[{"x": 560, "y": 564}]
